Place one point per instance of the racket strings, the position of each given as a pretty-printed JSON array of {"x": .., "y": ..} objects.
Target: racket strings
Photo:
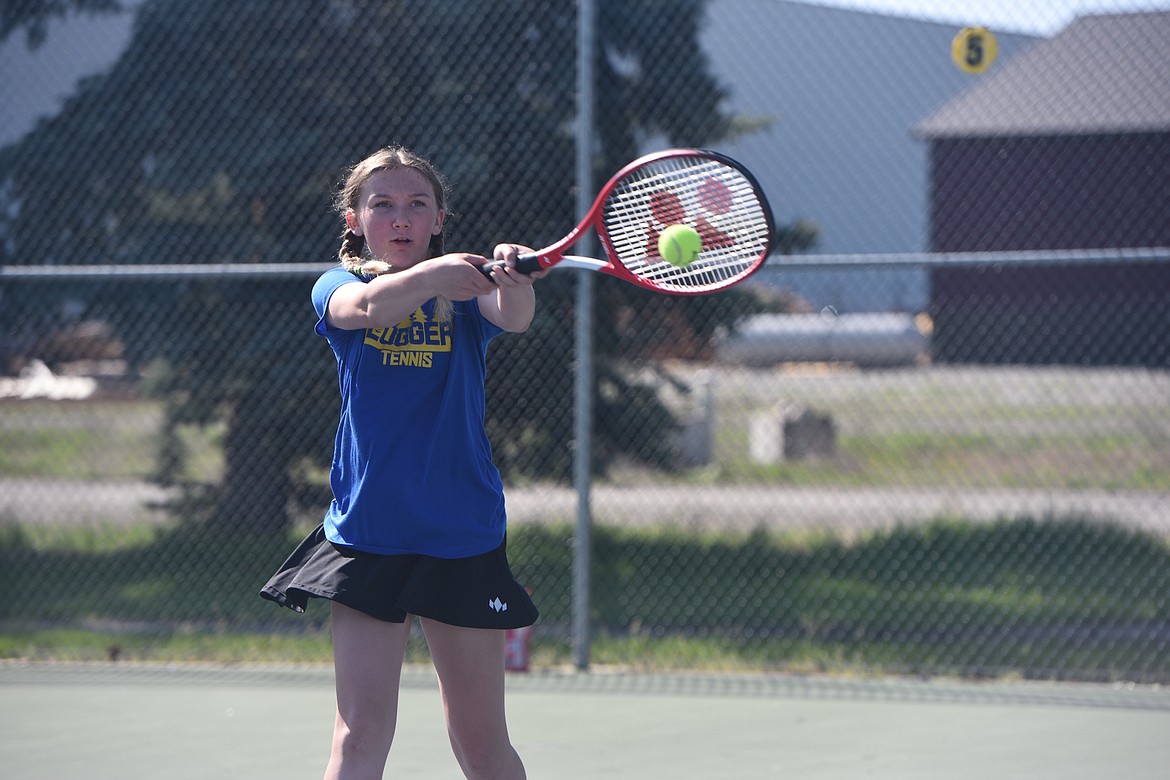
[{"x": 714, "y": 198}]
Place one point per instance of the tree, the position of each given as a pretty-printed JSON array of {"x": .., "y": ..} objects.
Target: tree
[
  {"x": 220, "y": 133},
  {"x": 32, "y": 16}
]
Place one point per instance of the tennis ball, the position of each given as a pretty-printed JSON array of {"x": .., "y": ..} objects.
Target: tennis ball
[{"x": 679, "y": 245}]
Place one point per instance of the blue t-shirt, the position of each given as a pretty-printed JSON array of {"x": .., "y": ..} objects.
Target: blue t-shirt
[{"x": 412, "y": 467}]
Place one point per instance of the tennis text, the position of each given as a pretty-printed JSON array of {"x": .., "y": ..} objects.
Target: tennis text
[{"x": 412, "y": 342}]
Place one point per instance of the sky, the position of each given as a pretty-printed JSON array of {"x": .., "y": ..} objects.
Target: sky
[
  {"x": 35, "y": 84},
  {"x": 1035, "y": 17}
]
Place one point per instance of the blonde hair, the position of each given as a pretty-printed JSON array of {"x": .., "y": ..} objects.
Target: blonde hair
[{"x": 354, "y": 252}]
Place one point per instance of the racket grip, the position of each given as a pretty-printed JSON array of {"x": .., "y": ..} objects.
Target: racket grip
[{"x": 526, "y": 263}]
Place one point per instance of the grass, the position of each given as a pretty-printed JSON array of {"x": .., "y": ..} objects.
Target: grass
[
  {"x": 1027, "y": 597},
  {"x": 98, "y": 440},
  {"x": 1036, "y": 429},
  {"x": 969, "y": 460},
  {"x": 1050, "y": 428},
  {"x": 170, "y": 644},
  {"x": 1039, "y": 597}
]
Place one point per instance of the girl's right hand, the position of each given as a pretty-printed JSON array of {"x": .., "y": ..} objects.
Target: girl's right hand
[{"x": 457, "y": 276}]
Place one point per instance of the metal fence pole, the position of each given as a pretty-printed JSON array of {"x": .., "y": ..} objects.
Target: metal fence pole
[{"x": 582, "y": 390}]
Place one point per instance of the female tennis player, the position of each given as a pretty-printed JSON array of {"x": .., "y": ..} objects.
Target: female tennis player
[{"x": 416, "y": 526}]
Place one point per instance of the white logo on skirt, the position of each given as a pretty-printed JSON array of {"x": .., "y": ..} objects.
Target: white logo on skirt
[{"x": 497, "y": 605}]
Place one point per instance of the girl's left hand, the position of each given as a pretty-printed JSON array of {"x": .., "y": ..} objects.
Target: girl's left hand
[{"x": 507, "y": 275}]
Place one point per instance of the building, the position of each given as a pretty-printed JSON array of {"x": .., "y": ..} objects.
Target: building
[
  {"x": 1067, "y": 146},
  {"x": 842, "y": 88}
]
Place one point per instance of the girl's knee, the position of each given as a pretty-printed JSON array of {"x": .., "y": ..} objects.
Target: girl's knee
[
  {"x": 486, "y": 761},
  {"x": 366, "y": 735}
]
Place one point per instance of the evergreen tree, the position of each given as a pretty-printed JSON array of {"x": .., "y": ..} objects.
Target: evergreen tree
[{"x": 220, "y": 134}]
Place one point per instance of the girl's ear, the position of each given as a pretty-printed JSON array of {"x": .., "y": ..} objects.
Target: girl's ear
[
  {"x": 438, "y": 228},
  {"x": 351, "y": 221}
]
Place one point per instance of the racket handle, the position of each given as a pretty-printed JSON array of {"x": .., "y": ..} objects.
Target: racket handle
[{"x": 526, "y": 263}]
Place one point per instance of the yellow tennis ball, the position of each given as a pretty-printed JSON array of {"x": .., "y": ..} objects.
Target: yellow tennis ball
[{"x": 679, "y": 245}]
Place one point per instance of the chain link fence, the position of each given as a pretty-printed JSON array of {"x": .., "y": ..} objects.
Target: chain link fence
[{"x": 932, "y": 436}]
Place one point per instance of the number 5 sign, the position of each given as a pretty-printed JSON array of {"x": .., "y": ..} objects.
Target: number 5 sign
[{"x": 974, "y": 49}]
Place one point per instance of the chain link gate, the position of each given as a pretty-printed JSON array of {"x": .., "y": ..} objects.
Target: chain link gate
[{"x": 930, "y": 438}]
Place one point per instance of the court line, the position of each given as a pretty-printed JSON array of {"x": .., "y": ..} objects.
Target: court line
[{"x": 1120, "y": 695}]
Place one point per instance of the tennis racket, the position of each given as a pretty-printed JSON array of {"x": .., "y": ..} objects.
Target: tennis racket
[{"x": 705, "y": 190}]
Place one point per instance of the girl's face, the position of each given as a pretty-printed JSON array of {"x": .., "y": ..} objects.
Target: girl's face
[{"x": 398, "y": 213}]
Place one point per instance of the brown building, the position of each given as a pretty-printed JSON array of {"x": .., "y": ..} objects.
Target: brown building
[{"x": 1065, "y": 146}]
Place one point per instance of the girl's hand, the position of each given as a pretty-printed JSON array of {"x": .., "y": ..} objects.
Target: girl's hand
[
  {"x": 513, "y": 304},
  {"x": 456, "y": 276},
  {"x": 507, "y": 275}
]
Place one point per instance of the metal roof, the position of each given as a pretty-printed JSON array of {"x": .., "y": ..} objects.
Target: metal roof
[{"x": 1100, "y": 74}]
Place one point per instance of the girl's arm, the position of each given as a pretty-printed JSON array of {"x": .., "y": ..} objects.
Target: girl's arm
[
  {"x": 387, "y": 299},
  {"x": 512, "y": 305}
]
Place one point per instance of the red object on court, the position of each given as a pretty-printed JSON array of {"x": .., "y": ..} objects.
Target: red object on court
[{"x": 516, "y": 648}]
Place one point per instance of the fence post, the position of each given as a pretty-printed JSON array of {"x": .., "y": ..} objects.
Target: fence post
[{"x": 583, "y": 385}]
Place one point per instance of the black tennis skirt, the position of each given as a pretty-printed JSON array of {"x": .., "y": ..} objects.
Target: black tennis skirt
[{"x": 475, "y": 592}]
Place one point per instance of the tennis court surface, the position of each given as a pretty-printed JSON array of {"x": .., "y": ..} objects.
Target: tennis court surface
[{"x": 63, "y": 721}]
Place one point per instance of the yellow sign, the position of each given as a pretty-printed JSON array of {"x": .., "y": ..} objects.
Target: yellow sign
[{"x": 974, "y": 49}]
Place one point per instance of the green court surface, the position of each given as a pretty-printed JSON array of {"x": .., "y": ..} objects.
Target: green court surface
[{"x": 63, "y": 721}]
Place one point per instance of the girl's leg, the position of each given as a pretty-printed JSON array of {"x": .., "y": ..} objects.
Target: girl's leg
[
  {"x": 470, "y": 665},
  {"x": 367, "y": 661}
]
